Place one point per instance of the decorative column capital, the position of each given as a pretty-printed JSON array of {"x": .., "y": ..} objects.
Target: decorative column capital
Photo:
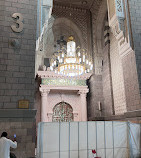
[
  {"x": 83, "y": 92},
  {"x": 83, "y": 104},
  {"x": 44, "y": 92}
]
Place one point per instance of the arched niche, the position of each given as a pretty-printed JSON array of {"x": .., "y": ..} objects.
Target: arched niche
[
  {"x": 62, "y": 112},
  {"x": 61, "y": 27}
]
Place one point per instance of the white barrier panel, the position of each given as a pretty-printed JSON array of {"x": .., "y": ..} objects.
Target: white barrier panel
[
  {"x": 78, "y": 139},
  {"x": 134, "y": 141}
]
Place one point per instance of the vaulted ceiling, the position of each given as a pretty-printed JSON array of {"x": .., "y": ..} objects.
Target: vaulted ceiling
[{"x": 79, "y": 3}]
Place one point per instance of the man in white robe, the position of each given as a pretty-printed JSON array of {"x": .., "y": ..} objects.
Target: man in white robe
[{"x": 5, "y": 145}]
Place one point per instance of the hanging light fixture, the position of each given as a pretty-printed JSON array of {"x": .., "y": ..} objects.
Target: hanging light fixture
[{"x": 71, "y": 61}]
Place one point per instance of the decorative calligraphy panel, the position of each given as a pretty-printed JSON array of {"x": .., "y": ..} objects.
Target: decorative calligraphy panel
[
  {"x": 62, "y": 112},
  {"x": 63, "y": 82}
]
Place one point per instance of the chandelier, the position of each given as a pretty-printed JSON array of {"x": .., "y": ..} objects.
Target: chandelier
[{"x": 71, "y": 61}]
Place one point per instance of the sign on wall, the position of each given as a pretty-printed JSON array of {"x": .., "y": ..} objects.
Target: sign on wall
[
  {"x": 18, "y": 26},
  {"x": 23, "y": 104}
]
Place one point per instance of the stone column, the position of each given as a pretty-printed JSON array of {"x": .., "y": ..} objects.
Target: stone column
[
  {"x": 83, "y": 105},
  {"x": 44, "y": 105}
]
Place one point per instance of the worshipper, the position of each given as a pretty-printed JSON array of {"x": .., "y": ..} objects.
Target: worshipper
[{"x": 5, "y": 145}]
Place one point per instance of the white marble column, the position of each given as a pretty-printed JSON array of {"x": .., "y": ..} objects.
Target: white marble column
[
  {"x": 44, "y": 105},
  {"x": 83, "y": 104}
]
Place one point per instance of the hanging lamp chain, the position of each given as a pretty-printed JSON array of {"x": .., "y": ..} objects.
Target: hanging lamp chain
[
  {"x": 70, "y": 16},
  {"x": 70, "y": 8}
]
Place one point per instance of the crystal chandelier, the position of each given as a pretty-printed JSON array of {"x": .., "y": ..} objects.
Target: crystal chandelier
[{"x": 71, "y": 61}]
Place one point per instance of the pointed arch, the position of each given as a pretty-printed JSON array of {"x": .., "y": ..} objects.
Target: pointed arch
[
  {"x": 62, "y": 112},
  {"x": 69, "y": 25}
]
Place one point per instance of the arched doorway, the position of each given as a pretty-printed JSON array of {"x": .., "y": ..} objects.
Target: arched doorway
[{"x": 62, "y": 112}]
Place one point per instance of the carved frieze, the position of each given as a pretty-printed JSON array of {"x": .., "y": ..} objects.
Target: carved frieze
[
  {"x": 118, "y": 28},
  {"x": 119, "y": 8},
  {"x": 63, "y": 82},
  {"x": 117, "y": 21}
]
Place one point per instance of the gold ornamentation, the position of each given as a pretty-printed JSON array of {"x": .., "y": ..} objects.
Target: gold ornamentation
[
  {"x": 71, "y": 61},
  {"x": 23, "y": 104},
  {"x": 71, "y": 38}
]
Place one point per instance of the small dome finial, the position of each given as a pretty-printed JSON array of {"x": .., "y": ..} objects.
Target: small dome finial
[{"x": 71, "y": 38}]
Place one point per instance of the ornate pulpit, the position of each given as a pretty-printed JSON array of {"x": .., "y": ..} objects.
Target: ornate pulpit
[{"x": 63, "y": 98}]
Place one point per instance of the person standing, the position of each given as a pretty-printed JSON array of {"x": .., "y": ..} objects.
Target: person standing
[{"x": 5, "y": 145}]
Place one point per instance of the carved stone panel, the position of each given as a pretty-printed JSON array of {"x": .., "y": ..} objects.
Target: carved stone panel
[
  {"x": 62, "y": 112},
  {"x": 119, "y": 8}
]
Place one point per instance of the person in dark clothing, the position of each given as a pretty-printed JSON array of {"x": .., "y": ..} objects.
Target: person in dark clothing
[{"x": 12, "y": 155}]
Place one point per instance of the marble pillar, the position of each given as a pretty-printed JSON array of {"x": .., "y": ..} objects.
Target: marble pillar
[
  {"x": 83, "y": 95},
  {"x": 44, "y": 105}
]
